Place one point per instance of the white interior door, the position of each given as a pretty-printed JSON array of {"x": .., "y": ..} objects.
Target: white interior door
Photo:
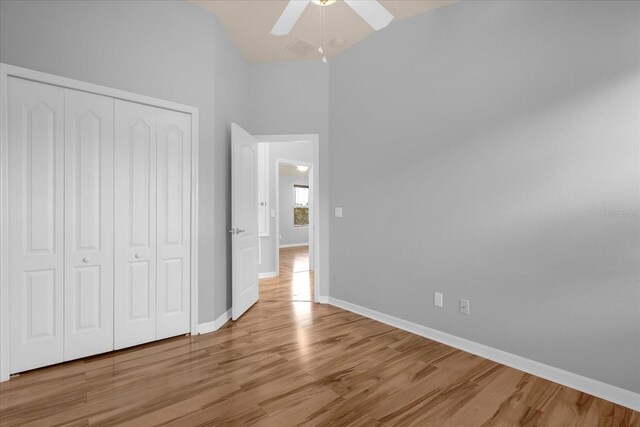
[
  {"x": 88, "y": 295},
  {"x": 264, "y": 219},
  {"x": 244, "y": 220},
  {"x": 174, "y": 223},
  {"x": 36, "y": 223},
  {"x": 135, "y": 224}
]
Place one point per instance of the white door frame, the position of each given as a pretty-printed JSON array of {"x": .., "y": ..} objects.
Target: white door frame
[
  {"x": 314, "y": 179},
  {"x": 7, "y": 71},
  {"x": 311, "y": 225}
]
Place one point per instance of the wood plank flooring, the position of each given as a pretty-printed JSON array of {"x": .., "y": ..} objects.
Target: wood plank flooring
[
  {"x": 295, "y": 362},
  {"x": 295, "y": 282}
]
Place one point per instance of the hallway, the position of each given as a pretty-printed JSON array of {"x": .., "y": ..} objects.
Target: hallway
[{"x": 295, "y": 282}]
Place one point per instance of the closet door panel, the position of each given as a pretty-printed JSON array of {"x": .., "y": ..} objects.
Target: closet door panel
[
  {"x": 174, "y": 221},
  {"x": 36, "y": 223},
  {"x": 135, "y": 224},
  {"x": 88, "y": 224}
]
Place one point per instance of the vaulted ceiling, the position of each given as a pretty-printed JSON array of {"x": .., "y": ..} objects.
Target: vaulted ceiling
[{"x": 249, "y": 23}]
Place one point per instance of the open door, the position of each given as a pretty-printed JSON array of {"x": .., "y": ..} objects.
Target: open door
[{"x": 244, "y": 219}]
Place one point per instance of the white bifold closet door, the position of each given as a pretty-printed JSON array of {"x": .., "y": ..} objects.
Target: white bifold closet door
[
  {"x": 99, "y": 223},
  {"x": 135, "y": 224},
  {"x": 88, "y": 284},
  {"x": 174, "y": 223},
  {"x": 36, "y": 223},
  {"x": 152, "y": 226}
]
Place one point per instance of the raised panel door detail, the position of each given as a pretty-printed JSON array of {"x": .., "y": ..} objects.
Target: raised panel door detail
[
  {"x": 88, "y": 168},
  {"x": 87, "y": 301},
  {"x": 247, "y": 201},
  {"x": 173, "y": 286},
  {"x": 247, "y": 259},
  {"x": 139, "y": 291},
  {"x": 135, "y": 224},
  {"x": 89, "y": 146},
  {"x": 139, "y": 181},
  {"x": 36, "y": 207},
  {"x": 174, "y": 225},
  {"x": 39, "y": 171},
  {"x": 174, "y": 178},
  {"x": 39, "y": 304}
]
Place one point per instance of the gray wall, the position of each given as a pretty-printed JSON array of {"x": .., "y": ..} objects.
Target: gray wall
[
  {"x": 300, "y": 151},
  {"x": 290, "y": 234},
  {"x": 490, "y": 151},
  {"x": 169, "y": 50},
  {"x": 289, "y": 98}
]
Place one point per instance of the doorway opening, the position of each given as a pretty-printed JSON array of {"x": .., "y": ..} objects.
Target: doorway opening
[
  {"x": 287, "y": 219},
  {"x": 255, "y": 242}
]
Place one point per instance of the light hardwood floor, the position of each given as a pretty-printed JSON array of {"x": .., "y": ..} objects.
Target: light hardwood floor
[
  {"x": 295, "y": 282},
  {"x": 295, "y": 362}
]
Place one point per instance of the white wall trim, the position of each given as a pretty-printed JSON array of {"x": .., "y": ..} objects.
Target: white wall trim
[
  {"x": 7, "y": 71},
  {"x": 268, "y": 275},
  {"x": 207, "y": 327},
  {"x": 195, "y": 173},
  {"x": 596, "y": 388},
  {"x": 323, "y": 299},
  {"x": 4, "y": 226},
  {"x": 294, "y": 245}
]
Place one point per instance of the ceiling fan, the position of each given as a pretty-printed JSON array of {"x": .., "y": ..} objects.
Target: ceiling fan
[{"x": 370, "y": 10}]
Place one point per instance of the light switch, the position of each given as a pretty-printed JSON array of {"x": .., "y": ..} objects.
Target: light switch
[
  {"x": 438, "y": 299},
  {"x": 338, "y": 212},
  {"x": 273, "y": 213}
]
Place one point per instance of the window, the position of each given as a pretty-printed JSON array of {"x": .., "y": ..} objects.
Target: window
[{"x": 300, "y": 205}]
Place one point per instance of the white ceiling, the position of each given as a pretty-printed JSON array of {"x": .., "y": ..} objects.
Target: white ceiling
[
  {"x": 291, "y": 170},
  {"x": 249, "y": 23}
]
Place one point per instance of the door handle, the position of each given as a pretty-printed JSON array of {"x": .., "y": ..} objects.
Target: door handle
[
  {"x": 86, "y": 259},
  {"x": 137, "y": 255},
  {"x": 237, "y": 230}
]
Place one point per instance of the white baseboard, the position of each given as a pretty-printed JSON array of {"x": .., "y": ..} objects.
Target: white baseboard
[
  {"x": 323, "y": 299},
  {"x": 293, "y": 245},
  {"x": 268, "y": 275},
  {"x": 205, "y": 328},
  {"x": 587, "y": 385}
]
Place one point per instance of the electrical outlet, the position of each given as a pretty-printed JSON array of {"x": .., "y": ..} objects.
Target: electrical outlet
[
  {"x": 438, "y": 299},
  {"x": 338, "y": 212},
  {"x": 464, "y": 306}
]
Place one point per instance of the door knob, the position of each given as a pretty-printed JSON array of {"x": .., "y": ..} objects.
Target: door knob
[
  {"x": 240, "y": 230},
  {"x": 86, "y": 259},
  {"x": 137, "y": 255}
]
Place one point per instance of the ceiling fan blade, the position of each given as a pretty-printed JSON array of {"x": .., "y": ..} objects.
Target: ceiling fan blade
[
  {"x": 289, "y": 17},
  {"x": 371, "y": 11}
]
